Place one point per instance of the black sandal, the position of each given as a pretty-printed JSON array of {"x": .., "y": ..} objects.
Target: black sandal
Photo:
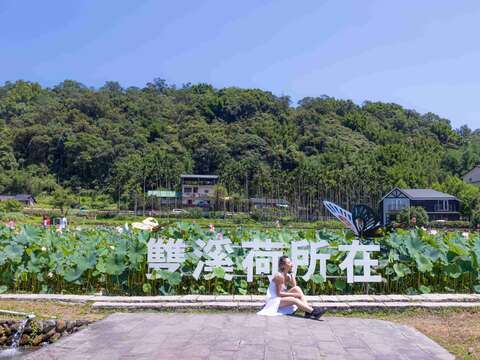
[
  {"x": 318, "y": 312},
  {"x": 308, "y": 315}
]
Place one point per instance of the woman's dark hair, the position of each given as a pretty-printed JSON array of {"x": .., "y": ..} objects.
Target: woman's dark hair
[{"x": 281, "y": 261}]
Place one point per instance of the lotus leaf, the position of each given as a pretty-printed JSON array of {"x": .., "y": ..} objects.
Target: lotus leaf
[
  {"x": 476, "y": 250},
  {"x": 340, "y": 284},
  {"x": 243, "y": 284},
  {"x": 73, "y": 273},
  {"x": 174, "y": 278},
  {"x": 113, "y": 264},
  {"x": 401, "y": 269},
  {"x": 219, "y": 272},
  {"x": 147, "y": 288},
  {"x": 424, "y": 289},
  {"x": 14, "y": 252},
  {"x": 209, "y": 276},
  {"x": 423, "y": 263},
  {"x": 317, "y": 279},
  {"x": 453, "y": 270}
]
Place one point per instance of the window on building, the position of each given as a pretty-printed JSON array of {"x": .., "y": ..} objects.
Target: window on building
[
  {"x": 187, "y": 190},
  {"x": 396, "y": 204},
  {"x": 442, "y": 205}
]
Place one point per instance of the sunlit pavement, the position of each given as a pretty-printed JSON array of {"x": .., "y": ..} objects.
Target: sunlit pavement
[{"x": 241, "y": 336}]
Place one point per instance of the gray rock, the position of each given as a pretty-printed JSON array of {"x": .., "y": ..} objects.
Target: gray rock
[
  {"x": 37, "y": 340},
  {"x": 3, "y": 340},
  {"x": 61, "y": 325},
  {"x": 79, "y": 323},
  {"x": 50, "y": 333},
  {"x": 27, "y": 329},
  {"x": 48, "y": 325},
  {"x": 55, "y": 337},
  {"x": 24, "y": 340},
  {"x": 70, "y": 325}
]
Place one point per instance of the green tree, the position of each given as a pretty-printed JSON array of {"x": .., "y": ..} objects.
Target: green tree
[
  {"x": 475, "y": 219},
  {"x": 468, "y": 194},
  {"x": 63, "y": 199},
  {"x": 413, "y": 216}
]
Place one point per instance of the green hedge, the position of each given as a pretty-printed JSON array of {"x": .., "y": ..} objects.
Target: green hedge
[{"x": 450, "y": 224}]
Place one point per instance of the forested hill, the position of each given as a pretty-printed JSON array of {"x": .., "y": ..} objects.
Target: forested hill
[{"x": 118, "y": 141}]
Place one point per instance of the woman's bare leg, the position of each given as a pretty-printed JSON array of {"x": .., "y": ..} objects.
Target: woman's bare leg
[
  {"x": 290, "y": 300},
  {"x": 298, "y": 290}
]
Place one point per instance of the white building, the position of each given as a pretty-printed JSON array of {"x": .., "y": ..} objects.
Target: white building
[
  {"x": 198, "y": 190},
  {"x": 473, "y": 176}
]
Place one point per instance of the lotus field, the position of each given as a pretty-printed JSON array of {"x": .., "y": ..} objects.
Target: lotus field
[{"x": 88, "y": 261}]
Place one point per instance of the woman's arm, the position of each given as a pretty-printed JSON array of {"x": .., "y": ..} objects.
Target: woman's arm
[
  {"x": 293, "y": 280},
  {"x": 279, "y": 282}
]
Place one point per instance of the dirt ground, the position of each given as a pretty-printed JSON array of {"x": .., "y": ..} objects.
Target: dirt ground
[{"x": 53, "y": 309}]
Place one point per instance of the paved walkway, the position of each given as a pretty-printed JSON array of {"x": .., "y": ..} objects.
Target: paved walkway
[{"x": 241, "y": 336}]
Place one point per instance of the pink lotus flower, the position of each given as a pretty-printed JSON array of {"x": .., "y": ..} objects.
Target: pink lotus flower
[
  {"x": 211, "y": 227},
  {"x": 219, "y": 236}
]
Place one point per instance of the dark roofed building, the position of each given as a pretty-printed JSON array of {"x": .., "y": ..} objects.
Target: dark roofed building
[
  {"x": 438, "y": 205},
  {"x": 473, "y": 176},
  {"x": 23, "y": 198}
]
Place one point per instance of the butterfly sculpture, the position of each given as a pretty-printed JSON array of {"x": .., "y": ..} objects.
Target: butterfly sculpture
[{"x": 363, "y": 220}]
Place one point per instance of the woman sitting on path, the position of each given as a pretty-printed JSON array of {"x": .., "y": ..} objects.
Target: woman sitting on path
[{"x": 281, "y": 301}]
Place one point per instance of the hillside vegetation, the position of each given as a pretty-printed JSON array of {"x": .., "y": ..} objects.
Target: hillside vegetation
[{"x": 118, "y": 142}]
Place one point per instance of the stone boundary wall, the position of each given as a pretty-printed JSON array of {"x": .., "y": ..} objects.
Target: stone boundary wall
[
  {"x": 243, "y": 298},
  {"x": 38, "y": 332}
]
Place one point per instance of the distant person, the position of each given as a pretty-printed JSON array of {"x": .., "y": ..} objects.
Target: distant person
[
  {"x": 63, "y": 222},
  {"x": 284, "y": 296},
  {"x": 10, "y": 224},
  {"x": 45, "y": 221}
]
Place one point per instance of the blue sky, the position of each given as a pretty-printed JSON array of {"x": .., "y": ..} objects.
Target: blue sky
[{"x": 424, "y": 55}]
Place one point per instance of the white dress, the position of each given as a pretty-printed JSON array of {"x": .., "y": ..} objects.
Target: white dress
[{"x": 271, "y": 307}]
